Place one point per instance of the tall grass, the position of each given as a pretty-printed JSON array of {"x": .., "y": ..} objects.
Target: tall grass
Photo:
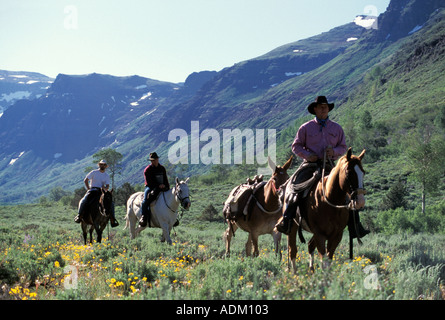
[{"x": 42, "y": 257}]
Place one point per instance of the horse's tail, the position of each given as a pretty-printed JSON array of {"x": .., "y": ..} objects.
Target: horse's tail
[
  {"x": 129, "y": 209},
  {"x": 127, "y": 223}
]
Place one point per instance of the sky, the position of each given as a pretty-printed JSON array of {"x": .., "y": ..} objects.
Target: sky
[{"x": 159, "y": 39}]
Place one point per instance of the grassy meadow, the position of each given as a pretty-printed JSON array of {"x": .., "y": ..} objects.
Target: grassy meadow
[{"x": 42, "y": 257}]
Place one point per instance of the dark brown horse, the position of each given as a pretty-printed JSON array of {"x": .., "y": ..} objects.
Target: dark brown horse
[
  {"x": 326, "y": 208},
  {"x": 96, "y": 216},
  {"x": 263, "y": 214}
]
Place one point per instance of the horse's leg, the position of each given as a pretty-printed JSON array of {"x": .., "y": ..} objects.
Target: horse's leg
[
  {"x": 166, "y": 233},
  {"x": 131, "y": 228},
  {"x": 311, "y": 248},
  {"x": 98, "y": 231},
  {"x": 292, "y": 246},
  {"x": 230, "y": 231},
  {"x": 84, "y": 232},
  {"x": 333, "y": 243},
  {"x": 131, "y": 221},
  {"x": 249, "y": 245},
  {"x": 276, "y": 235},
  {"x": 256, "y": 251},
  {"x": 320, "y": 242},
  {"x": 91, "y": 235},
  {"x": 99, "y": 236}
]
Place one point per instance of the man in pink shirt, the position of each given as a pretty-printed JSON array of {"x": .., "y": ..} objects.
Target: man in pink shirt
[
  {"x": 313, "y": 139},
  {"x": 320, "y": 134}
]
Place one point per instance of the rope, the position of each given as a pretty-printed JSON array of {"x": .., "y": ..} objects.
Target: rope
[{"x": 262, "y": 208}]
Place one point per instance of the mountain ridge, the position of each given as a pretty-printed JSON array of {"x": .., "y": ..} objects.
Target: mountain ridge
[{"x": 263, "y": 92}]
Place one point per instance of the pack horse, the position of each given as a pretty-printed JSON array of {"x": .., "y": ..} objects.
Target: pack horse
[
  {"x": 255, "y": 207},
  {"x": 164, "y": 210}
]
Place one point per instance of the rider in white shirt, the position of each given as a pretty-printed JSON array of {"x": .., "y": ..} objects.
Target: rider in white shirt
[{"x": 99, "y": 180}]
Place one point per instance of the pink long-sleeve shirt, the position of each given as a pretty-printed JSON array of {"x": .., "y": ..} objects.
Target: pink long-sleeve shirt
[{"x": 312, "y": 138}]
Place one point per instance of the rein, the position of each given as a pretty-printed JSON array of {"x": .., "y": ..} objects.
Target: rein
[
  {"x": 165, "y": 201},
  {"x": 180, "y": 200}
]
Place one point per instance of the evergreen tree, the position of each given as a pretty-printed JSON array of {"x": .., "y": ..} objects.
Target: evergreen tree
[{"x": 396, "y": 196}]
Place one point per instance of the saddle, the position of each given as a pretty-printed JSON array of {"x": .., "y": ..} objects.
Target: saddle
[
  {"x": 297, "y": 191},
  {"x": 239, "y": 198},
  {"x": 300, "y": 190}
]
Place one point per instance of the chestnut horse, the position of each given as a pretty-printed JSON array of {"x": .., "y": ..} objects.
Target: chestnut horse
[
  {"x": 263, "y": 214},
  {"x": 326, "y": 210}
]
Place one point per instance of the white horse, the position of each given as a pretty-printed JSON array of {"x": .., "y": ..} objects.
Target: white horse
[{"x": 163, "y": 210}]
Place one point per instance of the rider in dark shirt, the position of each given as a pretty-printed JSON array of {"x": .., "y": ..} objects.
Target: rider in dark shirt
[{"x": 155, "y": 181}]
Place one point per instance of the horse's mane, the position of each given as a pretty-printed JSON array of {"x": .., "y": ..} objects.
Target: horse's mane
[{"x": 340, "y": 164}]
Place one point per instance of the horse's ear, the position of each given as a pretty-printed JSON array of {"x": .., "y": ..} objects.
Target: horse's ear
[
  {"x": 272, "y": 165},
  {"x": 362, "y": 154},
  {"x": 349, "y": 154},
  {"x": 187, "y": 180},
  {"x": 288, "y": 163},
  {"x": 177, "y": 180}
]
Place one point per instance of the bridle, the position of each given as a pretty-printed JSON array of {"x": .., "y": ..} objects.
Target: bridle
[
  {"x": 177, "y": 194},
  {"x": 353, "y": 195}
]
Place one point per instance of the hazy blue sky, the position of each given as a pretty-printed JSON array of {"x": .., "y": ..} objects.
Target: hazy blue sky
[{"x": 160, "y": 39}]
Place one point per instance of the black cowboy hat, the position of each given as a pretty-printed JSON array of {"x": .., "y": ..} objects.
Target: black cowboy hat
[
  {"x": 153, "y": 156},
  {"x": 319, "y": 100}
]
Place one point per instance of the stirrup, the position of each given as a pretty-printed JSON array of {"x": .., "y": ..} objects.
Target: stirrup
[{"x": 114, "y": 223}]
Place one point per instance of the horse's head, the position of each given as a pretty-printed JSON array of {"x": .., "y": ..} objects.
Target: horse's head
[
  {"x": 279, "y": 174},
  {"x": 351, "y": 179},
  {"x": 106, "y": 200},
  {"x": 182, "y": 193}
]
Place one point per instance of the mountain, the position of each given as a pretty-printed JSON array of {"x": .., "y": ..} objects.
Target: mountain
[
  {"x": 48, "y": 141},
  {"x": 221, "y": 98},
  {"x": 77, "y": 114},
  {"x": 17, "y": 85}
]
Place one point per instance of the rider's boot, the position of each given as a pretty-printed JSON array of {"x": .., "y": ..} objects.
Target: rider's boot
[
  {"x": 78, "y": 218},
  {"x": 285, "y": 225},
  {"x": 114, "y": 223},
  {"x": 355, "y": 226},
  {"x": 146, "y": 214}
]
